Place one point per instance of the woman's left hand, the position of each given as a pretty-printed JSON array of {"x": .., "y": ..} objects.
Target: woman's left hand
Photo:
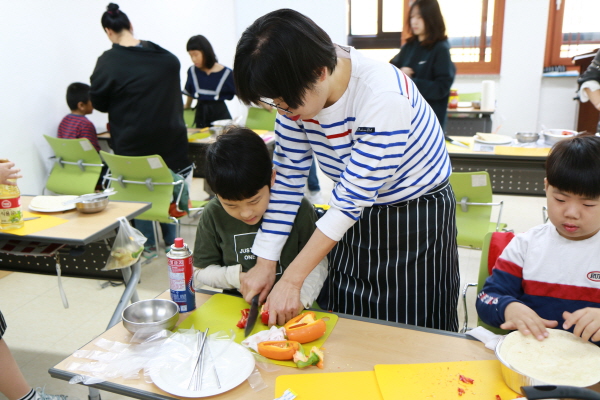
[{"x": 283, "y": 302}]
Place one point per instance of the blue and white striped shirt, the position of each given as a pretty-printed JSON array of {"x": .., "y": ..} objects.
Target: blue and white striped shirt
[{"x": 380, "y": 142}]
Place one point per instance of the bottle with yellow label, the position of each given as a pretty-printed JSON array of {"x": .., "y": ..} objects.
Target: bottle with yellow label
[{"x": 11, "y": 215}]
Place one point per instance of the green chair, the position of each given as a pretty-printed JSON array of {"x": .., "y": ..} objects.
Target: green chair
[
  {"x": 473, "y": 192},
  {"x": 147, "y": 179},
  {"x": 483, "y": 274},
  {"x": 469, "y": 96},
  {"x": 77, "y": 166},
  {"x": 261, "y": 119},
  {"x": 189, "y": 115}
]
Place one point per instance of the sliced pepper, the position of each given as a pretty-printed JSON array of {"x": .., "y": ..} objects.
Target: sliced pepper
[
  {"x": 264, "y": 316},
  {"x": 278, "y": 349},
  {"x": 316, "y": 357},
  {"x": 244, "y": 320},
  {"x": 305, "y": 328}
]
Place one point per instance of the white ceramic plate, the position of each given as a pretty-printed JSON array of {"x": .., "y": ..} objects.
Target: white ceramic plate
[
  {"x": 54, "y": 206},
  {"x": 503, "y": 140},
  {"x": 233, "y": 367}
]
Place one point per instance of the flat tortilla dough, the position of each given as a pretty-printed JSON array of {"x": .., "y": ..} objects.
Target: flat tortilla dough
[
  {"x": 491, "y": 137},
  {"x": 560, "y": 359},
  {"x": 51, "y": 202}
]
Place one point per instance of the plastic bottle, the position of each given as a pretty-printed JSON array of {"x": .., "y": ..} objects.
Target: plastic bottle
[
  {"x": 11, "y": 215},
  {"x": 453, "y": 99}
]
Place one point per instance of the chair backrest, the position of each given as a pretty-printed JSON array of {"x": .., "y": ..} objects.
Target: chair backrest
[
  {"x": 469, "y": 96},
  {"x": 259, "y": 118},
  {"x": 151, "y": 169},
  {"x": 472, "y": 222},
  {"x": 189, "y": 115},
  {"x": 70, "y": 178},
  {"x": 484, "y": 273}
]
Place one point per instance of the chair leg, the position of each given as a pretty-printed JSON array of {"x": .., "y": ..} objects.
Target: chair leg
[{"x": 464, "y": 297}]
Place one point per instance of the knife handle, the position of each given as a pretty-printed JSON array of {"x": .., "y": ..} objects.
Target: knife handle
[{"x": 559, "y": 392}]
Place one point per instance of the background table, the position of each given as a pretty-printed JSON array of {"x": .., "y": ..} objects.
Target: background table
[{"x": 468, "y": 121}]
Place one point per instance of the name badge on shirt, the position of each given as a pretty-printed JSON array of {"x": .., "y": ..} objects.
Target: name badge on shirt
[{"x": 365, "y": 129}]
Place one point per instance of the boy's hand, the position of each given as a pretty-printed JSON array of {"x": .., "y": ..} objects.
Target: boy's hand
[
  {"x": 258, "y": 280},
  {"x": 519, "y": 316},
  {"x": 586, "y": 321},
  {"x": 284, "y": 302}
]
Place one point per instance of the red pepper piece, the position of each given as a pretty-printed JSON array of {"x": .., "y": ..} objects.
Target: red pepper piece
[
  {"x": 464, "y": 379},
  {"x": 264, "y": 316},
  {"x": 498, "y": 397},
  {"x": 461, "y": 391},
  {"x": 244, "y": 320}
]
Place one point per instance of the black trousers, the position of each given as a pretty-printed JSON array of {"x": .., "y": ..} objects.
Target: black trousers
[
  {"x": 399, "y": 263},
  {"x": 209, "y": 111}
]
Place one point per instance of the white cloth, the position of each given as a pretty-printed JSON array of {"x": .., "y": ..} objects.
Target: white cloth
[
  {"x": 488, "y": 338},
  {"x": 274, "y": 333},
  {"x": 592, "y": 85}
]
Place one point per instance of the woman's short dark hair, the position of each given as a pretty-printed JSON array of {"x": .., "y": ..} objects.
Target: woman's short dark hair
[
  {"x": 238, "y": 164},
  {"x": 77, "y": 92},
  {"x": 115, "y": 19},
  {"x": 573, "y": 166},
  {"x": 281, "y": 55},
  {"x": 202, "y": 44},
  {"x": 435, "y": 28}
]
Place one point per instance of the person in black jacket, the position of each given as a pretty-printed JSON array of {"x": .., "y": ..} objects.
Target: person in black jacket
[
  {"x": 138, "y": 84},
  {"x": 589, "y": 81},
  {"x": 425, "y": 57}
]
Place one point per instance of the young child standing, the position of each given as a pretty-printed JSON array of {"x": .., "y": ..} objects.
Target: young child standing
[
  {"x": 76, "y": 125},
  {"x": 209, "y": 82},
  {"x": 239, "y": 170},
  {"x": 549, "y": 276}
]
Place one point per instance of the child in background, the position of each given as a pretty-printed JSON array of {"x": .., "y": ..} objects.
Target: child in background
[
  {"x": 76, "y": 125},
  {"x": 549, "y": 276},
  {"x": 240, "y": 172},
  {"x": 209, "y": 82}
]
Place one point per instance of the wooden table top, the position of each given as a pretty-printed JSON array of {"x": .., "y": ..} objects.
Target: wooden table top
[
  {"x": 81, "y": 229},
  {"x": 354, "y": 345}
]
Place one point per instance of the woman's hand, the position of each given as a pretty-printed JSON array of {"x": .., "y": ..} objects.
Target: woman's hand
[
  {"x": 519, "y": 316},
  {"x": 283, "y": 302},
  {"x": 258, "y": 280},
  {"x": 594, "y": 97},
  {"x": 408, "y": 71},
  {"x": 586, "y": 321},
  {"x": 7, "y": 171}
]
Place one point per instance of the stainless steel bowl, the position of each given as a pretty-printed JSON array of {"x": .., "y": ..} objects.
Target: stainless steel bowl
[
  {"x": 151, "y": 316},
  {"x": 92, "y": 206},
  {"x": 527, "y": 137},
  {"x": 512, "y": 377}
]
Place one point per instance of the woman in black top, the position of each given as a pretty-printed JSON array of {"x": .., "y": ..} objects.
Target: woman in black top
[
  {"x": 137, "y": 83},
  {"x": 425, "y": 57},
  {"x": 589, "y": 81}
]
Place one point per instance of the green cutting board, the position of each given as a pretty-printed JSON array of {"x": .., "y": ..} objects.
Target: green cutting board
[{"x": 222, "y": 312}]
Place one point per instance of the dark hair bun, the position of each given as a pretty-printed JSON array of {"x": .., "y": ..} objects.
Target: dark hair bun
[{"x": 112, "y": 8}]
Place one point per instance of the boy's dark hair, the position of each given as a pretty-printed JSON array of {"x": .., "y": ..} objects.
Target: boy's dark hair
[
  {"x": 281, "y": 55},
  {"x": 573, "y": 166},
  {"x": 435, "y": 28},
  {"x": 77, "y": 92},
  {"x": 202, "y": 44},
  {"x": 238, "y": 164},
  {"x": 115, "y": 19}
]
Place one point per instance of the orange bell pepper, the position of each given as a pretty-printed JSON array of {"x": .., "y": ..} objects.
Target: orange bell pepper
[
  {"x": 305, "y": 328},
  {"x": 281, "y": 350}
]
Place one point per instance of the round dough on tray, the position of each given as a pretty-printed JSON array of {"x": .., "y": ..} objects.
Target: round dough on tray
[{"x": 560, "y": 359}]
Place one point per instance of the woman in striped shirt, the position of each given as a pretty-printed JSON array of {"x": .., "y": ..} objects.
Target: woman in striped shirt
[{"x": 390, "y": 232}]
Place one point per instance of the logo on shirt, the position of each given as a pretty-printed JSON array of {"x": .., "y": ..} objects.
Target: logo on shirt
[
  {"x": 594, "y": 276},
  {"x": 366, "y": 129}
]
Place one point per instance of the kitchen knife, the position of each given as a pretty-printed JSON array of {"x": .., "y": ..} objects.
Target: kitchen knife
[
  {"x": 559, "y": 392},
  {"x": 252, "y": 316},
  {"x": 455, "y": 142}
]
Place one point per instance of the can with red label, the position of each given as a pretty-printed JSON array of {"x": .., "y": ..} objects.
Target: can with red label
[{"x": 181, "y": 276}]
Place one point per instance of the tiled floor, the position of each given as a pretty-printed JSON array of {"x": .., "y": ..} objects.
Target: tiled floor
[{"x": 41, "y": 332}]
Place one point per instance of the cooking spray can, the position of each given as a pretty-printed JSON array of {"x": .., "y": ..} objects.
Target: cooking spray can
[{"x": 181, "y": 276}]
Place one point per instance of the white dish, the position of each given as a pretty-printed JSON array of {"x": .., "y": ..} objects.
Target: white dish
[
  {"x": 54, "y": 206},
  {"x": 500, "y": 140},
  {"x": 233, "y": 366}
]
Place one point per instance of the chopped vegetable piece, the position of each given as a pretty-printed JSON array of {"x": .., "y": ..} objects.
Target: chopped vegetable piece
[
  {"x": 281, "y": 350},
  {"x": 244, "y": 320},
  {"x": 264, "y": 316},
  {"x": 464, "y": 379},
  {"x": 498, "y": 397},
  {"x": 316, "y": 357},
  {"x": 305, "y": 328},
  {"x": 461, "y": 391}
]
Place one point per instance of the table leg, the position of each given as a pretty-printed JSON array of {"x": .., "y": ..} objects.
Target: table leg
[
  {"x": 94, "y": 394},
  {"x": 128, "y": 294}
]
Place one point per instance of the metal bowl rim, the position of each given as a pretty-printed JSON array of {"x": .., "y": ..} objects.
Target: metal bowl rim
[{"x": 176, "y": 314}]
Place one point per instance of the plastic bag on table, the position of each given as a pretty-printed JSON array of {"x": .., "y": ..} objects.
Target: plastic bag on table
[{"x": 127, "y": 248}]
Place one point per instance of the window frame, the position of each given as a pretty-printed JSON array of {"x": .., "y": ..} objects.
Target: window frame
[{"x": 388, "y": 40}]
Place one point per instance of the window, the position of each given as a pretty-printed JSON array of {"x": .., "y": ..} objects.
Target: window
[
  {"x": 474, "y": 31},
  {"x": 572, "y": 29}
]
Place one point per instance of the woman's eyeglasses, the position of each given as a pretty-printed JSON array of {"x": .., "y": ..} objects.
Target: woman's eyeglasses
[{"x": 275, "y": 106}]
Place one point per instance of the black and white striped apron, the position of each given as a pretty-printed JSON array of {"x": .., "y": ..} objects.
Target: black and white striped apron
[
  {"x": 2, "y": 325},
  {"x": 399, "y": 263}
]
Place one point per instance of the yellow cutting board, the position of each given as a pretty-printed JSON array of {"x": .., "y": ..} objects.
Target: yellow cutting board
[
  {"x": 222, "y": 312},
  {"x": 441, "y": 381},
  {"x": 331, "y": 386}
]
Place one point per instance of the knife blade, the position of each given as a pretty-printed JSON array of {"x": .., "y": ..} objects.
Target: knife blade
[
  {"x": 30, "y": 218},
  {"x": 252, "y": 316},
  {"x": 455, "y": 142}
]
